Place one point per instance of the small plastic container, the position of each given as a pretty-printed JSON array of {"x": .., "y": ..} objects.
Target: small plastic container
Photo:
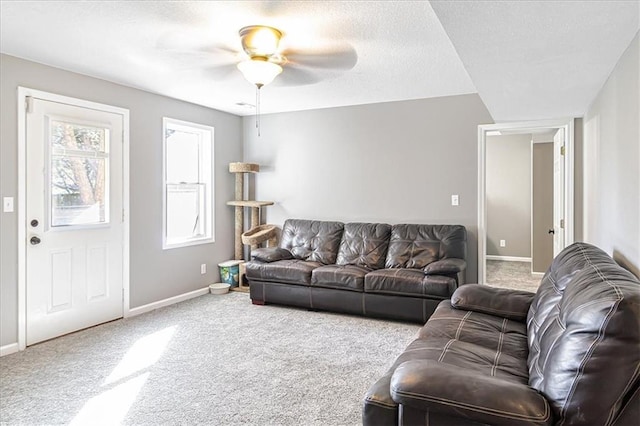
[{"x": 230, "y": 272}]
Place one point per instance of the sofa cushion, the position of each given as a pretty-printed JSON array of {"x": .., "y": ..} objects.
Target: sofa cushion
[
  {"x": 287, "y": 271},
  {"x": 416, "y": 246},
  {"x": 483, "y": 330},
  {"x": 394, "y": 281},
  {"x": 583, "y": 333},
  {"x": 462, "y": 393},
  {"x": 410, "y": 282},
  {"x": 312, "y": 240},
  {"x": 345, "y": 277},
  {"x": 270, "y": 254},
  {"x": 502, "y": 302},
  {"x": 364, "y": 244},
  {"x": 445, "y": 267}
]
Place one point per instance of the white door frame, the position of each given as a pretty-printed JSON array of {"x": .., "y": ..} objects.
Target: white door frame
[
  {"x": 483, "y": 130},
  {"x": 23, "y": 93}
]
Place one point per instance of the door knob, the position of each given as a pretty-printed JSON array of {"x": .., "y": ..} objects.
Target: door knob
[
  {"x": 551, "y": 231},
  {"x": 34, "y": 240}
]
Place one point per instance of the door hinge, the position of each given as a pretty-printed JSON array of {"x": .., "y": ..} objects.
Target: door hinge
[
  {"x": 123, "y": 294},
  {"x": 561, "y": 223},
  {"x": 122, "y": 215},
  {"x": 562, "y": 150},
  {"x": 28, "y": 104}
]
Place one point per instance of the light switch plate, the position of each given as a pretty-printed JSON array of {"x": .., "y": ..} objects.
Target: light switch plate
[
  {"x": 7, "y": 204},
  {"x": 454, "y": 200}
]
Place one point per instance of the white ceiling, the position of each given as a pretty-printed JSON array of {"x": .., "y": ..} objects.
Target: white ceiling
[{"x": 526, "y": 59}]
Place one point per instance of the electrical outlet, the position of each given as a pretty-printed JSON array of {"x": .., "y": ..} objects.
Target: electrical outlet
[
  {"x": 455, "y": 200},
  {"x": 503, "y": 243},
  {"x": 203, "y": 268}
]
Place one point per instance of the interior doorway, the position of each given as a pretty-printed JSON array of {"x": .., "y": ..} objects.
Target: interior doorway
[{"x": 509, "y": 233}]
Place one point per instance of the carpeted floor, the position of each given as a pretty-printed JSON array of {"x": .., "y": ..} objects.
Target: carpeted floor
[
  {"x": 210, "y": 360},
  {"x": 516, "y": 275}
]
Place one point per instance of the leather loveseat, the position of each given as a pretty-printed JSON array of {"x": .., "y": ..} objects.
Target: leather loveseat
[
  {"x": 375, "y": 269},
  {"x": 568, "y": 355}
]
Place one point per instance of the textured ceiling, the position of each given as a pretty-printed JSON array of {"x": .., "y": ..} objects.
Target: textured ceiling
[
  {"x": 534, "y": 60},
  {"x": 526, "y": 59}
]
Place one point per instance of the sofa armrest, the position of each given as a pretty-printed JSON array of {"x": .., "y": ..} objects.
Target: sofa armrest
[
  {"x": 451, "y": 390},
  {"x": 503, "y": 302},
  {"x": 445, "y": 267},
  {"x": 270, "y": 254}
]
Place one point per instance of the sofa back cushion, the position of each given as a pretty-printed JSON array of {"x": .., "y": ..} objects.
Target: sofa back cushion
[
  {"x": 416, "y": 246},
  {"x": 364, "y": 244},
  {"x": 583, "y": 331},
  {"x": 312, "y": 240}
]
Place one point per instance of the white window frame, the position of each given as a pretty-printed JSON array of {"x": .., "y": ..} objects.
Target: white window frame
[{"x": 206, "y": 174}]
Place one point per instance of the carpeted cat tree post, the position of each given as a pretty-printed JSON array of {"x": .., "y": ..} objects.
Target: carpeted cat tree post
[{"x": 257, "y": 234}]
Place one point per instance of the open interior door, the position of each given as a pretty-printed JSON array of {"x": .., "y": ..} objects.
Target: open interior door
[{"x": 558, "y": 192}]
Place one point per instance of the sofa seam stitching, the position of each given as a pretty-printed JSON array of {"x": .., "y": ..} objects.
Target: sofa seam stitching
[{"x": 499, "y": 352}]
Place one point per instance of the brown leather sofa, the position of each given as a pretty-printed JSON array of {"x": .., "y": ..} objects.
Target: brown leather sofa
[
  {"x": 568, "y": 355},
  {"x": 374, "y": 269}
]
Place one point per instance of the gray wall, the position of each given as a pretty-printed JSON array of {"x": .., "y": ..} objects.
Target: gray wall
[
  {"x": 508, "y": 195},
  {"x": 542, "y": 207},
  {"x": 156, "y": 274},
  {"x": 396, "y": 162},
  {"x": 612, "y": 161}
]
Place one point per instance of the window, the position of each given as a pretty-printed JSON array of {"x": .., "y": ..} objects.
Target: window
[
  {"x": 79, "y": 181},
  {"x": 188, "y": 184}
]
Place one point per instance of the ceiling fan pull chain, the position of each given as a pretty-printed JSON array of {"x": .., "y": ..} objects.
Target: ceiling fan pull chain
[{"x": 258, "y": 109}]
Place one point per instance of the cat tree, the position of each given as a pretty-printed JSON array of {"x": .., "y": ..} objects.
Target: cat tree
[{"x": 257, "y": 234}]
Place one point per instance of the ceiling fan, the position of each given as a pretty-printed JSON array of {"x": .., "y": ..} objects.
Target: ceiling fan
[
  {"x": 263, "y": 58},
  {"x": 264, "y": 53}
]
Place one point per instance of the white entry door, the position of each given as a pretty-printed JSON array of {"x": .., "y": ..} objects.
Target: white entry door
[
  {"x": 558, "y": 192},
  {"x": 74, "y": 214}
]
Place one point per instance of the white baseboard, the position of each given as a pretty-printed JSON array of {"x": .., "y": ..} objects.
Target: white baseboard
[
  {"x": 166, "y": 302},
  {"x": 9, "y": 349},
  {"x": 508, "y": 258},
  {"x": 538, "y": 274}
]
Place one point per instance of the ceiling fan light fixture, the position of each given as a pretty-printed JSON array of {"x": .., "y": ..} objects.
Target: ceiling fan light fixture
[
  {"x": 259, "y": 71},
  {"x": 260, "y": 43},
  {"x": 260, "y": 40}
]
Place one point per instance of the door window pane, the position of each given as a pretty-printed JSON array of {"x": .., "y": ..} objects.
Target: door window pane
[
  {"x": 76, "y": 136},
  {"x": 78, "y": 174}
]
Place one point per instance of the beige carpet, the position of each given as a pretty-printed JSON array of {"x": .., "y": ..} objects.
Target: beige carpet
[
  {"x": 215, "y": 360},
  {"x": 516, "y": 275}
]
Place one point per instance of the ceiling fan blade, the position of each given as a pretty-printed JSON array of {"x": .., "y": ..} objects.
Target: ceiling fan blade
[
  {"x": 273, "y": 7},
  {"x": 295, "y": 76},
  {"x": 222, "y": 72},
  {"x": 191, "y": 42},
  {"x": 188, "y": 51},
  {"x": 190, "y": 61},
  {"x": 337, "y": 57}
]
